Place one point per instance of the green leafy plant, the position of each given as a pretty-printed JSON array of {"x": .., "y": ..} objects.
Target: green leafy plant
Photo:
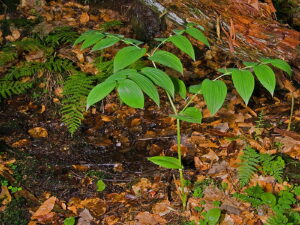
[
  {"x": 69, "y": 221},
  {"x": 252, "y": 161},
  {"x": 211, "y": 217},
  {"x": 100, "y": 185},
  {"x": 132, "y": 84},
  {"x": 75, "y": 91},
  {"x": 280, "y": 204},
  {"x": 248, "y": 166}
]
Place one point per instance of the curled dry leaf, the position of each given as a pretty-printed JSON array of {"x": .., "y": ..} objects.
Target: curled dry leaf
[
  {"x": 38, "y": 132},
  {"x": 162, "y": 208}
]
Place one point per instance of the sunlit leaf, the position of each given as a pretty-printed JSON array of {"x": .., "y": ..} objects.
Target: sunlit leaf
[
  {"x": 70, "y": 221},
  {"x": 183, "y": 44},
  {"x": 198, "y": 35},
  {"x": 126, "y": 56},
  {"x": 214, "y": 93},
  {"x": 166, "y": 162},
  {"x": 105, "y": 43},
  {"x": 243, "y": 81},
  {"x": 266, "y": 77},
  {"x": 167, "y": 59},
  {"x": 160, "y": 78},
  {"x": 190, "y": 114},
  {"x": 100, "y": 185},
  {"x": 131, "y": 94},
  {"x": 179, "y": 86},
  {"x": 146, "y": 85},
  {"x": 99, "y": 92}
]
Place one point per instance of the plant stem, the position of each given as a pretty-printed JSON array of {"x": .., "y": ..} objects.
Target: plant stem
[
  {"x": 182, "y": 180},
  {"x": 292, "y": 112}
]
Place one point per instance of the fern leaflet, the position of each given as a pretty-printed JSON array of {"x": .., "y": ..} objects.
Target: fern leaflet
[
  {"x": 248, "y": 166},
  {"x": 75, "y": 91}
]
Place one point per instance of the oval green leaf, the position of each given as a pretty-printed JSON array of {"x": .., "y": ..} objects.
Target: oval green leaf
[
  {"x": 160, "y": 78},
  {"x": 91, "y": 40},
  {"x": 198, "y": 35},
  {"x": 99, "y": 92},
  {"x": 243, "y": 81},
  {"x": 190, "y": 114},
  {"x": 131, "y": 94},
  {"x": 250, "y": 64},
  {"x": 280, "y": 64},
  {"x": 179, "y": 86},
  {"x": 127, "y": 56},
  {"x": 167, "y": 59},
  {"x": 266, "y": 77},
  {"x": 100, "y": 185},
  {"x": 183, "y": 44},
  {"x": 166, "y": 162},
  {"x": 214, "y": 93},
  {"x": 105, "y": 43},
  {"x": 212, "y": 216},
  {"x": 146, "y": 85}
]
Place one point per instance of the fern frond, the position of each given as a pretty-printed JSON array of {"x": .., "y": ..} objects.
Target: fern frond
[
  {"x": 75, "y": 91},
  {"x": 7, "y": 88},
  {"x": 248, "y": 166},
  {"x": 273, "y": 166},
  {"x": 277, "y": 219},
  {"x": 24, "y": 70},
  {"x": 61, "y": 35},
  {"x": 58, "y": 65},
  {"x": 7, "y": 55},
  {"x": 27, "y": 44}
]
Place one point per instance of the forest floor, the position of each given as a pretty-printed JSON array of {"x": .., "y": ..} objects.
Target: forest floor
[{"x": 50, "y": 177}]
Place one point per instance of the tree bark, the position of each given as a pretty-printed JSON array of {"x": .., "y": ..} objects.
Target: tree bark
[{"x": 245, "y": 28}]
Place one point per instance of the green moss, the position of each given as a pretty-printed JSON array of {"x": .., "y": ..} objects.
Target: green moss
[{"x": 15, "y": 213}]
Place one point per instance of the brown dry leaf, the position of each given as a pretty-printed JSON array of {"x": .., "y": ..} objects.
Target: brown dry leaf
[
  {"x": 162, "y": 208},
  {"x": 146, "y": 218},
  {"x": 5, "y": 197},
  {"x": 20, "y": 143},
  {"x": 289, "y": 145},
  {"x": 3, "y": 166},
  {"x": 15, "y": 35},
  {"x": 96, "y": 206},
  {"x": 38, "y": 132},
  {"x": 85, "y": 218},
  {"x": 45, "y": 209},
  {"x": 35, "y": 56},
  {"x": 58, "y": 92},
  {"x": 201, "y": 165},
  {"x": 111, "y": 220},
  {"x": 42, "y": 110},
  {"x": 212, "y": 156},
  {"x": 116, "y": 197},
  {"x": 79, "y": 54},
  {"x": 142, "y": 186},
  {"x": 84, "y": 18}
]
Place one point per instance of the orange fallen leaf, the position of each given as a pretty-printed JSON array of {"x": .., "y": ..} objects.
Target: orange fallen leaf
[
  {"x": 38, "y": 132},
  {"x": 20, "y": 143},
  {"x": 45, "y": 208},
  {"x": 84, "y": 18},
  {"x": 146, "y": 218}
]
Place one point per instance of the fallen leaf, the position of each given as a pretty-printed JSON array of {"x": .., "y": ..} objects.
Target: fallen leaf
[
  {"x": 211, "y": 156},
  {"x": 84, "y": 18},
  {"x": 38, "y": 132},
  {"x": 142, "y": 186},
  {"x": 5, "y": 196},
  {"x": 146, "y": 218},
  {"x": 85, "y": 218},
  {"x": 162, "y": 208},
  {"x": 20, "y": 143},
  {"x": 45, "y": 208}
]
